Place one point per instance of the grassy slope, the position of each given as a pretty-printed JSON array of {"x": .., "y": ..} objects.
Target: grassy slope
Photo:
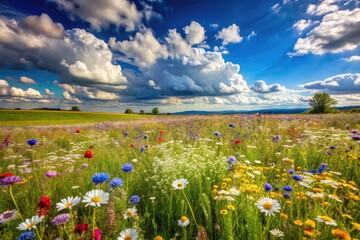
[{"x": 41, "y": 117}]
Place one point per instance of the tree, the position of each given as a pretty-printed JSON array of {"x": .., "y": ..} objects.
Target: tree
[
  {"x": 129, "y": 111},
  {"x": 155, "y": 111},
  {"x": 75, "y": 108},
  {"x": 142, "y": 111},
  {"x": 322, "y": 103}
]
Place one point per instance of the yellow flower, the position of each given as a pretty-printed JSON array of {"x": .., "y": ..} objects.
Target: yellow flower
[
  {"x": 223, "y": 212},
  {"x": 310, "y": 223},
  {"x": 356, "y": 225},
  {"x": 216, "y": 186},
  {"x": 231, "y": 207},
  {"x": 158, "y": 238},
  {"x": 325, "y": 204},
  {"x": 341, "y": 234},
  {"x": 227, "y": 180},
  {"x": 298, "y": 222},
  {"x": 347, "y": 216},
  {"x": 283, "y": 216},
  {"x": 318, "y": 190}
]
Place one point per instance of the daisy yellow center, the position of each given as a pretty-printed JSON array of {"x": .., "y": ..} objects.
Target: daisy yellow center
[
  {"x": 68, "y": 204},
  {"x": 267, "y": 206},
  {"x": 30, "y": 225},
  {"x": 326, "y": 218},
  {"x": 96, "y": 199},
  {"x": 129, "y": 213},
  {"x": 127, "y": 237},
  {"x": 180, "y": 185},
  {"x": 183, "y": 219}
]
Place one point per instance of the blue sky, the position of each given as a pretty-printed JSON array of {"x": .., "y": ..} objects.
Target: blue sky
[{"x": 108, "y": 55}]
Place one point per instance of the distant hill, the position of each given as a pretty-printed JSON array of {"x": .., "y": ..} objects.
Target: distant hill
[{"x": 268, "y": 111}]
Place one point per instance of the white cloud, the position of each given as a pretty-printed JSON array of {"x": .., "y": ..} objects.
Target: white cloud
[
  {"x": 230, "y": 34},
  {"x": 337, "y": 32},
  {"x": 276, "y": 8},
  {"x": 324, "y": 7},
  {"x": 149, "y": 14},
  {"x": 27, "y": 80},
  {"x": 104, "y": 13},
  {"x": 348, "y": 83},
  {"x": 214, "y": 25},
  {"x": 78, "y": 57},
  {"x": 195, "y": 33},
  {"x": 75, "y": 93},
  {"x": 4, "y": 87},
  {"x": 28, "y": 93},
  {"x": 144, "y": 49},
  {"x": 43, "y": 25},
  {"x": 48, "y": 92},
  {"x": 352, "y": 59},
  {"x": 303, "y": 24},
  {"x": 251, "y": 35},
  {"x": 261, "y": 87}
]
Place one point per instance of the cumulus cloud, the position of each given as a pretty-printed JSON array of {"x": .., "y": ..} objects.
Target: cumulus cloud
[
  {"x": 324, "y": 7},
  {"x": 337, "y": 32},
  {"x": 303, "y": 24},
  {"x": 104, "y": 13},
  {"x": 78, "y": 57},
  {"x": 143, "y": 49},
  {"x": 7, "y": 92},
  {"x": 27, "y": 80},
  {"x": 49, "y": 92},
  {"x": 195, "y": 33},
  {"x": 230, "y": 34},
  {"x": 352, "y": 59},
  {"x": 348, "y": 83},
  {"x": 261, "y": 87},
  {"x": 43, "y": 25}
]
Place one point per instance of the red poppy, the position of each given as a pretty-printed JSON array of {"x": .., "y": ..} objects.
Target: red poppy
[
  {"x": 237, "y": 141},
  {"x": 88, "y": 154},
  {"x": 6, "y": 174},
  {"x": 81, "y": 227},
  {"x": 77, "y": 130},
  {"x": 132, "y": 144},
  {"x": 44, "y": 203},
  {"x": 42, "y": 212},
  {"x": 162, "y": 131},
  {"x": 160, "y": 139}
]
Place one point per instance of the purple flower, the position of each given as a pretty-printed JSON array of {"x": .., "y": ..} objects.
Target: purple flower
[
  {"x": 296, "y": 177},
  {"x": 287, "y": 188},
  {"x": 31, "y": 142},
  {"x": 116, "y": 182},
  {"x": 127, "y": 167},
  {"x": 231, "y": 125},
  {"x": 276, "y": 138},
  {"x": 217, "y": 134},
  {"x": 134, "y": 199},
  {"x": 354, "y": 131},
  {"x": 356, "y": 137},
  {"x": 126, "y": 133},
  {"x": 291, "y": 171},
  {"x": 142, "y": 149},
  {"x": 60, "y": 219},
  {"x": 267, "y": 187},
  {"x": 10, "y": 180},
  {"x": 287, "y": 195},
  {"x": 51, "y": 174}
]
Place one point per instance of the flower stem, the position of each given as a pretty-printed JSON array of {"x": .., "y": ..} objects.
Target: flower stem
[
  {"x": 38, "y": 233},
  {"x": 94, "y": 221},
  {"x": 17, "y": 207},
  {"x": 191, "y": 210}
]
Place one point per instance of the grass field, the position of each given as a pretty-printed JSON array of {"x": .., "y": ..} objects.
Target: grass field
[
  {"x": 39, "y": 117},
  {"x": 254, "y": 177}
]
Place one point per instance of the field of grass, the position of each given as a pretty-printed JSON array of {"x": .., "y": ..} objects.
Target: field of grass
[
  {"x": 40, "y": 117},
  {"x": 195, "y": 177}
]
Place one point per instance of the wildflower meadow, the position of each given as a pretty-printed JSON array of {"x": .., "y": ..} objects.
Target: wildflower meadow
[{"x": 185, "y": 177}]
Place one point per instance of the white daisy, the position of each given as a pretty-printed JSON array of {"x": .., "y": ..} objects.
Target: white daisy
[
  {"x": 277, "y": 233},
  {"x": 327, "y": 220},
  {"x": 268, "y": 205},
  {"x": 128, "y": 234},
  {"x": 130, "y": 212},
  {"x": 95, "y": 198},
  {"x": 180, "y": 183},
  {"x": 184, "y": 221},
  {"x": 67, "y": 203},
  {"x": 30, "y": 223},
  {"x": 8, "y": 216}
]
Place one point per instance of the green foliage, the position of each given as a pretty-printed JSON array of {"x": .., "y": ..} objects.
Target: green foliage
[
  {"x": 129, "y": 111},
  {"x": 75, "y": 109},
  {"x": 155, "y": 111},
  {"x": 322, "y": 103},
  {"x": 142, "y": 111}
]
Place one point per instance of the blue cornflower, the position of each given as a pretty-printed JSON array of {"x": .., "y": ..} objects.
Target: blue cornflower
[
  {"x": 145, "y": 136},
  {"x": 134, "y": 199},
  {"x": 287, "y": 195},
  {"x": 231, "y": 162},
  {"x": 116, "y": 182},
  {"x": 267, "y": 187},
  {"x": 312, "y": 171},
  {"x": 31, "y": 142},
  {"x": 100, "y": 178},
  {"x": 291, "y": 171},
  {"x": 126, "y": 133},
  {"x": 276, "y": 138},
  {"x": 217, "y": 134},
  {"x": 332, "y": 147},
  {"x": 127, "y": 167},
  {"x": 287, "y": 188},
  {"x": 296, "y": 177},
  {"x": 142, "y": 149},
  {"x": 27, "y": 236},
  {"x": 231, "y": 125}
]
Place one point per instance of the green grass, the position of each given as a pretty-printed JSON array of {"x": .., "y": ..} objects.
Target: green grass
[{"x": 12, "y": 118}]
